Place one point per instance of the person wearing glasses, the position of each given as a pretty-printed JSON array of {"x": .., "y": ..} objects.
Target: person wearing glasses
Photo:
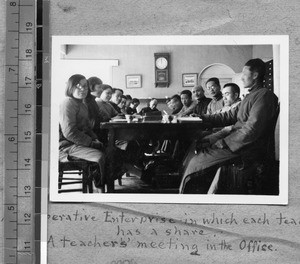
[
  {"x": 76, "y": 136},
  {"x": 214, "y": 89}
]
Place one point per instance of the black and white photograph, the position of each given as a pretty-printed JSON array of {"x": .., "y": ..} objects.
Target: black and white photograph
[{"x": 202, "y": 127}]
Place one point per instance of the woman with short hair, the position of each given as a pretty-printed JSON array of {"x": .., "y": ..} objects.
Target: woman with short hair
[{"x": 76, "y": 137}]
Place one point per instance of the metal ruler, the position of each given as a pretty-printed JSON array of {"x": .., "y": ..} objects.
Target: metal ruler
[{"x": 20, "y": 132}]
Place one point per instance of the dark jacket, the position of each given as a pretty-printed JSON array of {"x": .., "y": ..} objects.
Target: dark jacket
[
  {"x": 251, "y": 120},
  {"x": 201, "y": 106}
]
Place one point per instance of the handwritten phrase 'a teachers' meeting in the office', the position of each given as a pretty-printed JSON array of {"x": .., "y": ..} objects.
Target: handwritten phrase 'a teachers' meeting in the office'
[{"x": 189, "y": 235}]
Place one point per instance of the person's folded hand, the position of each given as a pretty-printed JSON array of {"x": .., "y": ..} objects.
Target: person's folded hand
[
  {"x": 220, "y": 144},
  {"x": 201, "y": 145},
  {"x": 96, "y": 144}
]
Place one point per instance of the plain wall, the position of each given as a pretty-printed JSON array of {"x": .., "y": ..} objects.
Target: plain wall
[{"x": 140, "y": 60}]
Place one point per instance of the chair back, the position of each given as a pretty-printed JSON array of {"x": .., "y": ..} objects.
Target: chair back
[{"x": 270, "y": 145}]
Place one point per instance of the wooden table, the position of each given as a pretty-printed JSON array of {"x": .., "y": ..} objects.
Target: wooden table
[{"x": 144, "y": 131}]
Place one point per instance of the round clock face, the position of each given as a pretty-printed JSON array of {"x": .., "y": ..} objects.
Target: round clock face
[{"x": 161, "y": 63}]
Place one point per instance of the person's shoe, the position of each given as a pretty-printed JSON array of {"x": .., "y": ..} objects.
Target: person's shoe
[
  {"x": 98, "y": 190},
  {"x": 139, "y": 165}
]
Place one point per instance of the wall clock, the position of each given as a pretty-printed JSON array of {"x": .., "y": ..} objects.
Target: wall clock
[{"x": 162, "y": 69}]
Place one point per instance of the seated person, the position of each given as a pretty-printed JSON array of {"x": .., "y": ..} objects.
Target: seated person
[
  {"x": 95, "y": 90},
  {"x": 150, "y": 108},
  {"x": 188, "y": 103},
  {"x": 175, "y": 104},
  {"x": 231, "y": 98},
  {"x": 116, "y": 98},
  {"x": 107, "y": 111},
  {"x": 201, "y": 101},
  {"x": 122, "y": 105},
  {"x": 76, "y": 137},
  {"x": 214, "y": 89},
  {"x": 132, "y": 109},
  {"x": 128, "y": 102},
  {"x": 252, "y": 120},
  {"x": 167, "y": 146}
]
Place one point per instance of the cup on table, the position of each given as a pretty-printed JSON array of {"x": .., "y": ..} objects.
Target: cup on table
[
  {"x": 167, "y": 118},
  {"x": 129, "y": 118}
]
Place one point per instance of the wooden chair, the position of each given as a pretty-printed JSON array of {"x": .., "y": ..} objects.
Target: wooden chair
[
  {"x": 83, "y": 168},
  {"x": 240, "y": 176}
]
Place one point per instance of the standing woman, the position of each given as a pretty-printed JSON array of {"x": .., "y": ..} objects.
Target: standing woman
[{"x": 77, "y": 138}]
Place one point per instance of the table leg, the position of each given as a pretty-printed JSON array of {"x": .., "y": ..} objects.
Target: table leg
[{"x": 110, "y": 182}]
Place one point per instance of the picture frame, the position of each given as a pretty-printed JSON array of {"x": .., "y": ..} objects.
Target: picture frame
[
  {"x": 133, "y": 81},
  {"x": 61, "y": 70},
  {"x": 189, "y": 79}
]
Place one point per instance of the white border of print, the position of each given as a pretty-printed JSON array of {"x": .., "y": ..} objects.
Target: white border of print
[{"x": 281, "y": 42}]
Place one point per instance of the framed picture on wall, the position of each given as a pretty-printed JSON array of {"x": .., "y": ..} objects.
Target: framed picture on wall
[
  {"x": 133, "y": 81},
  {"x": 189, "y": 79}
]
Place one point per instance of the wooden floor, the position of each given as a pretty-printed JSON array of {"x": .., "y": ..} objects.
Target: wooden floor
[{"x": 131, "y": 183}]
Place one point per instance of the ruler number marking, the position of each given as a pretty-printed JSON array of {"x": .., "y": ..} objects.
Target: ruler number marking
[
  {"x": 27, "y": 245},
  {"x": 27, "y": 189},
  {"x": 28, "y": 26},
  {"x": 28, "y": 108},
  {"x": 27, "y": 80},
  {"x": 28, "y": 53},
  {"x": 10, "y": 208},
  {"x": 27, "y": 217},
  {"x": 27, "y": 162}
]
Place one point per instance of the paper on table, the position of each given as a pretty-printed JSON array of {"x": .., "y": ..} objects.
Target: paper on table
[{"x": 189, "y": 119}]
